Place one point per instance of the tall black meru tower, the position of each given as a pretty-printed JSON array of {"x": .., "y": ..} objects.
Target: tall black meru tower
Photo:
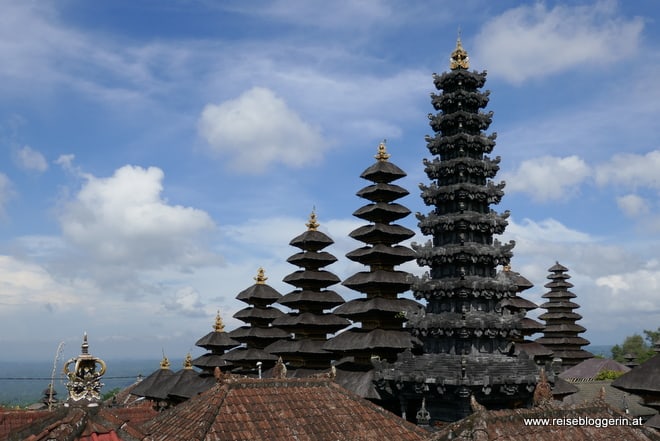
[{"x": 467, "y": 334}]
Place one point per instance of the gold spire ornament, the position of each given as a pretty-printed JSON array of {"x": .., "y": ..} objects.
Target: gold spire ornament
[
  {"x": 382, "y": 154},
  {"x": 187, "y": 362},
  {"x": 312, "y": 224},
  {"x": 218, "y": 326},
  {"x": 164, "y": 363},
  {"x": 459, "y": 58},
  {"x": 261, "y": 277}
]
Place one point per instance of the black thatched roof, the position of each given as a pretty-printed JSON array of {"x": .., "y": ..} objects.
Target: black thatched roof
[
  {"x": 382, "y": 212},
  {"x": 533, "y": 349},
  {"x": 357, "y": 308},
  {"x": 311, "y": 240},
  {"x": 322, "y": 299},
  {"x": 259, "y": 292},
  {"x": 589, "y": 369},
  {"x": 191, "y": 383},
  {"x": 383, "y": 172},
  {"x": 307, "y": 320},
  {"x": 359, "y": 340},
  {"x": 144, "y": 388},
  {"x": 367, "y": 281},
  {"x": 382, "y": 233},
  {"x": 297, "y": 347},
  {"x": 248, "y": 332},
  {"x": 251, "y": 314},
  {"x": 248, "y": 356},
  {"x": 217, "y": 341},
  {"x": 210, "y": 361},
  {"x": 383, "y": 192},
  {"x": 312, "y": 259},
  {"x": 643, "y": 378},
  {"x": 380, "y": 253},
  {"x": 311, "y": 279}
]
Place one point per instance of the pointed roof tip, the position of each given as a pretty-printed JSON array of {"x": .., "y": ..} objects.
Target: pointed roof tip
[
  {"x": 459, "y": 57},
  {"x": 164, "y": 363},
  {"x": 382, "y": 154},
  {"x": 312, "y": 224},
  {"x": 218, "y": 326},
  {"x": 85, "y": 346},
  {"x": 260, "y": 278},
  {"x": 187, "y": 362}
]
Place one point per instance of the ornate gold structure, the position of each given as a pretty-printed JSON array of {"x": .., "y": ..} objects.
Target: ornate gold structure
[
  {"x": 261, "y": 277},
  {"x": 219, "y": 326},
  {"x": 164, "y": 363},
  {"x": 382, "y": 154},
  {"x": 312, "y": 224},
  {"x": 84, "y": 383},
  {"x": 459, "y": 58}
]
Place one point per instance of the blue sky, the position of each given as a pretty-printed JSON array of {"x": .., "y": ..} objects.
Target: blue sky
[{"x": 153, "y": 155}]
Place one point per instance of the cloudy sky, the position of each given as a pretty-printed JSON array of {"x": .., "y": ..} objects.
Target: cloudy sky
[{"x": 153, "y": 155}]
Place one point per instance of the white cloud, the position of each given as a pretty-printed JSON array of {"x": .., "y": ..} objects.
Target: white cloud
[
  {"x": 258, "y": 129},
  {"x": 632, "y": 291},
  {"x": 631, "y": 170},
  {"x": 532, "y": 40},
  {"x": 547, "y": 230},
  {"x": 186, "y": 301},
  {"x": 28, "y": 283},
  {"x": 548, "y": 177},
  {"x": 6, "y": 193},
  {"x": 123, "y": 220},
  {"x": 30, "y": 159},
  {"x": 633, "y": 205}
]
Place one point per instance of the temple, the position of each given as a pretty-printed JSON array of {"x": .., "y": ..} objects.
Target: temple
[
  {"x": 561, "y": 331},
  {"x": 467, "y": 334},
  {"x": 310, "y": 324},
  {"x": 250, "y": 357},
  {"x": 380, "y": 312}
]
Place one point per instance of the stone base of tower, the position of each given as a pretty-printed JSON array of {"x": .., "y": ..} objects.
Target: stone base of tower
[{"x": 447, "y": 382}]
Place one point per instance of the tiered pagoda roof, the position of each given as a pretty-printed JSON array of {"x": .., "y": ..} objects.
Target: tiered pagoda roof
[
  {"x": 467, "y": 336},
  {"x": 529, "y": 326},
  {"x": 149, "y": 387},
  {"x": 259, "y": 332},
  {"x": 561, "y": 331},
  {"x": 381, "y": 312},
  {"x": 216, "y": 342},
  {"x": 310, "y": 324}
]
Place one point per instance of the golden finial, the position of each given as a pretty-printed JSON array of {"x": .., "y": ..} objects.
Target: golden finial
[
  {"x": 382, "y": 154},
  {"x": 219, "y": 326},
  {"x": 507, "y": 268},
  {"x": 459, "y": 58},
  {"x": 187, "y": 362},
  {"x": 312, "y": 224},
  {"x": 164, "y": 363},
  {"x": 261, "y": 277}
]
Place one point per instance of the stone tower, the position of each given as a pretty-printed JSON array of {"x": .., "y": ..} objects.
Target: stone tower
[{"x": 467, "y": 334}]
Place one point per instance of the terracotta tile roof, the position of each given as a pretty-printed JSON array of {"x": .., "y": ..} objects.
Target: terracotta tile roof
[
  {"x": 10, "y": 420},
  {"x": 509, "y": 425},
  {"x": 279, "y": 409},
  {"x": 79, "y": 424}
]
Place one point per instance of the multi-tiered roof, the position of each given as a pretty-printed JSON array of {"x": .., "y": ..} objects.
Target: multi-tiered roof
[
  {"x": 561, "y": 331},
  {"x": 216, "y": 342},
  {"x": 259, "y": 332},
  {"x": 528, "y": 326},
  {"x": 467, "y": 335},
  {"x": 310, "y": 324}
]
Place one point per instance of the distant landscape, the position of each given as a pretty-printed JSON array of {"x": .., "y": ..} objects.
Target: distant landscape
[{"x": 22, "y": 384}]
